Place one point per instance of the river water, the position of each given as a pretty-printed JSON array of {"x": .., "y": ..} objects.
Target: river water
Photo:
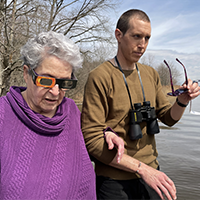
[{"x": 179, "y": 153}]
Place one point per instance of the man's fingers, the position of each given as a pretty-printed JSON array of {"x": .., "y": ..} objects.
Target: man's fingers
[
  {"x": 171, "y": 183},
  {"x": 120, "y": 153},
  {"x": 170, "y": 188},
  {"x": 159, "y": 192},
  {"x": 110, "y": 144},
  {"x": 167, "y": 188},
  {"x": 115, "y": 141},
  {"x": 166, "y": 192}
]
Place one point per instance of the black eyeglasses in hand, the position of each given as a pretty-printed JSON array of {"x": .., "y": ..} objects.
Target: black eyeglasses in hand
[{"x": 178, "y": 91}]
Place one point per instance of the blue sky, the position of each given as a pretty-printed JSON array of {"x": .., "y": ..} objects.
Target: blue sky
[{"x": 175, "y": 31}]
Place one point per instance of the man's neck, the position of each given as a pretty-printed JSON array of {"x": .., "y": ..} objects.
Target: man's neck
[{"x": 124, "y": 64}]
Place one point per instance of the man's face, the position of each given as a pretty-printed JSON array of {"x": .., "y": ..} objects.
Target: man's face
[
  {"x": 45, "y": 100},
  {"x": 133, "y": 43}
]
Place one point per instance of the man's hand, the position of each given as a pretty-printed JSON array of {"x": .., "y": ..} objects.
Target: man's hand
[
  {"x": 193, "y": 92},
  {"x": 158, "y": 180},
  {"x": 115, "y": 141}
]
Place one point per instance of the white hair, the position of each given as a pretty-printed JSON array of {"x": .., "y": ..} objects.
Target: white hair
[{"x": 51, "y": 43}]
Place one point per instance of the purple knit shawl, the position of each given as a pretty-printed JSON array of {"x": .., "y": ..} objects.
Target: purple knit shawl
[
  {"x": 35, "y": 121},
  {"x": 43, "y": 158}
]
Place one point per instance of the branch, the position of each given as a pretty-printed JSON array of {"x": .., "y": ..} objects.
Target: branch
[
  {"x": 76, "y": 18},
  {"x": 23, "y": 5},
  {"x": 57, "y": 11},
  {"x": 6, "y": 7},
  {"x": 92, "y": 39},
  {"x": 27, "y": 12},
  {"x": 86, "y": 30}
]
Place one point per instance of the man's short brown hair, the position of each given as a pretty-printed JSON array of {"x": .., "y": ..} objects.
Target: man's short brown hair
[{"x": 123, "y": 22}]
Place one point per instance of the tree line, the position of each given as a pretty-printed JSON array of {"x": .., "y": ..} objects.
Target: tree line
[
  {"x": 83, "y": 21},
  {"x": 163, "y": 70}
]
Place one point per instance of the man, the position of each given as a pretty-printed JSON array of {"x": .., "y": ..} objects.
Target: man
[{"x": 109, "y": 96}]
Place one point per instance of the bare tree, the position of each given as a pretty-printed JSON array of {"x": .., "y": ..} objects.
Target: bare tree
[
  {"x": 163, "y": 72},
  {"x": 84, "y": 21},
  {"x": 11, "y": 40},
  {"x": 82, "y": 75},
  {"x": 148, "y": 60}
]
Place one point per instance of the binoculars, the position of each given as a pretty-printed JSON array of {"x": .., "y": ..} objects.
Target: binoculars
[{"x": 142, "y": 113}]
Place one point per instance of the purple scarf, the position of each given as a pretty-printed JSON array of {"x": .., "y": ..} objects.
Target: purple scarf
[
  {"x": 43, "y": 158},
  {"x": 37, "y": 122}
]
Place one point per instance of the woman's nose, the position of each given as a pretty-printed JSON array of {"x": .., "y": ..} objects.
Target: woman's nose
[{"x": 55, "y": 90}]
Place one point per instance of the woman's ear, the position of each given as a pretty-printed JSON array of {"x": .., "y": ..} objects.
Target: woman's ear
[{"x": 25, "y": 73}]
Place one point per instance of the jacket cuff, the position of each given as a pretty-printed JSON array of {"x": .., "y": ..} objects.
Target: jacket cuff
[{"x": 109, "y": 129}]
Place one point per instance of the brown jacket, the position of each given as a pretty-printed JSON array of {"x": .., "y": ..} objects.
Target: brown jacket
[{"x": 106, "y": 104}]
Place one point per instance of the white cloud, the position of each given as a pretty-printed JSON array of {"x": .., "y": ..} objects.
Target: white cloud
[
  {"x": 170, "y": 25},
  {"x": 178, "y": 33},
  {"x": 191, "y": 61}
]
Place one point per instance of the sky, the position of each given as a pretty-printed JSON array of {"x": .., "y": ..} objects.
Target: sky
[{"x": 175, "y": 31}]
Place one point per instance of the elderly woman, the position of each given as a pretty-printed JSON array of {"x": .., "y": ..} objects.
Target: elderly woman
[{"x": 43, "y": 154}]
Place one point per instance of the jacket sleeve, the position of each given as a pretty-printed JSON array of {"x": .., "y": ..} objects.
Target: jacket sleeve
[{"x": 93, "y": 118}]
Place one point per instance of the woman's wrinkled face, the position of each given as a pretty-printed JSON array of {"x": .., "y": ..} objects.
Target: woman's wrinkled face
[{"x": 46, "y": 100}]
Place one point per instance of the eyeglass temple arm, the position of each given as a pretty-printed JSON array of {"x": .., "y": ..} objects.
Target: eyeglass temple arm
[
  {"x": 73, "y": 76},
  {"x": 186, "y": 79},
  {"x": 170, "y": 73},
  {"x": 34, "y": 75}
]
